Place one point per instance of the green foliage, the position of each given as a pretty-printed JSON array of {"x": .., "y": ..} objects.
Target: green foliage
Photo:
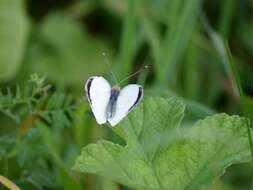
[
  {"x": 128, "y": 41},
  {"x": 18, "y": 160},
  {"x": 13, "y": 36},
  {"x": 35, "y": 109},
  {"x": 35, "y": 100},
  {"x": 63, "y": 46},
  {"x": 43, "y": 127},
  {"x": 174, "y": 41},
  {"x": 159, "y": 155},
  {"x": 27, "y": 98}
]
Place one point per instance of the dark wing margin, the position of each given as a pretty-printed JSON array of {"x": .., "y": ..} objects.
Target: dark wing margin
[
  {"x": 140, "y": 95},
  {"x": 87, "y": 88}
]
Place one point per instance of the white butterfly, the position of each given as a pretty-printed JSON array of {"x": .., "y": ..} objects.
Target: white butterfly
[{"x": 111, "y": 104}]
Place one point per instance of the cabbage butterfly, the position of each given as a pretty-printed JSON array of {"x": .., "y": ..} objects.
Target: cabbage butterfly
[{"x": 110, "y": 103}]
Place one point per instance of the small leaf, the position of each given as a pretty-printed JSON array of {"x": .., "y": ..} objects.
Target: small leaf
[
  {"x": 160, "y": 156},
  {"x": 13, "y": 35}
]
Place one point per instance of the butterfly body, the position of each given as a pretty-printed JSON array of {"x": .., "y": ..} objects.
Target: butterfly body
[
  {"x": 111, "y": 104},
  {"x": 111, "y": 107}
]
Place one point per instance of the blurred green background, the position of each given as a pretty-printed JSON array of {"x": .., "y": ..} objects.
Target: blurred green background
[{"x": 42, "y": 128}]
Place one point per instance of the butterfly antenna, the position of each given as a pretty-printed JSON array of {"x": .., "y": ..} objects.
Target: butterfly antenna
[
  {"x": 109, "y": 67},
  {"x": 137, "y": 72}
]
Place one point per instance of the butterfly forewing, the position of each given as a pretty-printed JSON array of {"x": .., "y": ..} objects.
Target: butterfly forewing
[
  {"x": 128, "y": 98},
  {"x": 98, "y": 93}
]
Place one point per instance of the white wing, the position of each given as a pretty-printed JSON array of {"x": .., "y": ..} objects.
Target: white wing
[
  {"x": 98, "y": 93},
  {"x": 127, "y": 100}
]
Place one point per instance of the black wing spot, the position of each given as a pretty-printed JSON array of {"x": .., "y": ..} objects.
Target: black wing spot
[
  {"x": 138, "y": 98},
  {"x": 88, "y": 85}
]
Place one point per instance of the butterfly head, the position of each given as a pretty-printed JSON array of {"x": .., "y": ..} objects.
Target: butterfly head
[{"x": 116, "y": 88}]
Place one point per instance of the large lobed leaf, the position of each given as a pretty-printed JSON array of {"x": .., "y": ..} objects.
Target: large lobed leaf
[{"x": 160, "y": 156}]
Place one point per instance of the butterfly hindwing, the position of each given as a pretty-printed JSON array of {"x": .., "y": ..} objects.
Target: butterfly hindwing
[
  {"x": 128, "y": 98},
  {"x": 98, "y": 93}
]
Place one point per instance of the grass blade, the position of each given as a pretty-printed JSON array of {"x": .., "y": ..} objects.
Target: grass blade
[
  {"x": 127, "y": 42},
  {"x": 176, "y": 39},
  {"x": 228, "y": 10},
  {"x": 9, "y": 184}
]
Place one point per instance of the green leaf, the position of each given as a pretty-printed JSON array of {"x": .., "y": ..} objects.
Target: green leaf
[
  {"x": 13, "y": 35},
  {"x": 160, "y": 156}
]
